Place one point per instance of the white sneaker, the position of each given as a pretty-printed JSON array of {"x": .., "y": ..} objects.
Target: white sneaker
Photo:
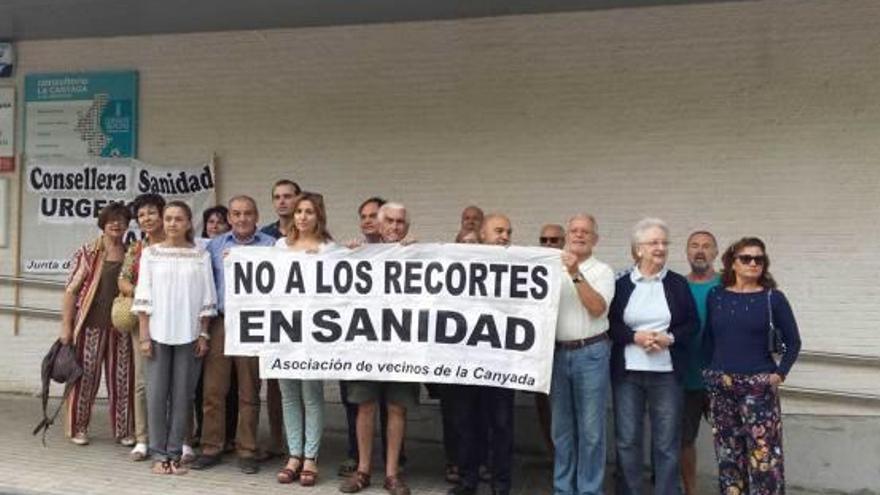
[
  {"x": 80, "y": 439},
  {"x": 187, "y": 455},
  {"x": 138, "y": 453}
]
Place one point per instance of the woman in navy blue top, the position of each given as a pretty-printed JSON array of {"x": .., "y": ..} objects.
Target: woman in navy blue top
[{"x": 742, "y": 377}]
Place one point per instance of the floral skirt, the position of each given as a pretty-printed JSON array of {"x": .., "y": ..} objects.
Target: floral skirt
[{"x": 747, "y": 426}]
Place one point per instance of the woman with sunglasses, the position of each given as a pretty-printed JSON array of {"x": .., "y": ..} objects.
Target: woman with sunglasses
[
  {"x": 742, "y": 378},
  {"x": 651, "y": 318}
]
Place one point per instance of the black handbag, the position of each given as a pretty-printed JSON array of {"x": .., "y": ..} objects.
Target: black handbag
[
  {"x": 59, "y": 365},
  {"x": 775, "y": 344}
]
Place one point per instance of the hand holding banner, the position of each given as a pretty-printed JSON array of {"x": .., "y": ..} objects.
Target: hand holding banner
[{"x": 447, "y": 313}]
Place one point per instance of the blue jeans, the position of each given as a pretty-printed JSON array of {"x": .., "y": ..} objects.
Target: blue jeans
[
  {"x": 303, "y": 434},
  {"x": 579, "y": 395},
  {"x": 661, "y": 395}
]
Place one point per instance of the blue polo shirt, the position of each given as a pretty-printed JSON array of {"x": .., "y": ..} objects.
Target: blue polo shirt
[{"x": 220, "y": 246}]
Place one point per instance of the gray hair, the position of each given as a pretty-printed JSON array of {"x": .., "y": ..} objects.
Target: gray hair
[
  {"x": 644, "y": 225},
  {"x": 392, "y": 205},
  {"x": 243, "y": 197},
  {"x": 585, "y": 216}
]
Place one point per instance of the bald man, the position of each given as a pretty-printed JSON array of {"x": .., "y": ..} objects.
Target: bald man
[
  {"x": 471, "y": 219},
  {"x": 497, "y": 403}
]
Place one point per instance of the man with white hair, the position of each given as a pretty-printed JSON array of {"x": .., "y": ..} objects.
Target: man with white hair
[
  {"x": 581, "y": 372},
  {"x": 394, "y": 227}
]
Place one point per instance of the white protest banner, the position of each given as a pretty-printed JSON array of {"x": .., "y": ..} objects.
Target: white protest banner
[
  {"x": 62, "y": 198},
  {"x": 446, "y": 313}
]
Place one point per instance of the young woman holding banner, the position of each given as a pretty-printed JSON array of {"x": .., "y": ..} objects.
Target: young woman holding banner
[{"x": 304, "y": 397}]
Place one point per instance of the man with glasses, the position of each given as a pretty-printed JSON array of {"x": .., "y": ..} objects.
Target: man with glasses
[
  {"x": 701, "y": 249},
  {"x": 581, "y": 372},
  {"x": 552, "y": 236}
]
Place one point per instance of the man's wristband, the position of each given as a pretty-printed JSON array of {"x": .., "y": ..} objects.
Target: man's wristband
[{"x": 205, "y": 335}]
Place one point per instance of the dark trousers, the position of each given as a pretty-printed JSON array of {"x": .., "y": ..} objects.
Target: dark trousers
[
  {"x": 470, "y": 404},
  {"x": 450, "y": 432}
]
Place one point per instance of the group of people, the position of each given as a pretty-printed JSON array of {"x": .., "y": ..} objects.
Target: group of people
[{"x": 677, "y": 347}]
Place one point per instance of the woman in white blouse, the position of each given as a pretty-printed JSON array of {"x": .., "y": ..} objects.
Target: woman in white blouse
[
  {"x": 174, "y": 299},
  {"x": 651, "y": 316},
  {"x": 304, "y": 397}
]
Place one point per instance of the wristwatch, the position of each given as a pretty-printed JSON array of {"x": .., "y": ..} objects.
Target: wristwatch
[{"x": 577, "y": 278}]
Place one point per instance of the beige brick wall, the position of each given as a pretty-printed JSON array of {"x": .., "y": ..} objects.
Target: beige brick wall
[{"x": 755, "y": 118}]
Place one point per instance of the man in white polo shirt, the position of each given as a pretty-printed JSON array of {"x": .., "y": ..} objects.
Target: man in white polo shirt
[{"x": 581, "y": 373}]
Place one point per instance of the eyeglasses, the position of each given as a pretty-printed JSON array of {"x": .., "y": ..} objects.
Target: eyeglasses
[
  {"x": 655, "y": 243},
  {"x": 549, "y": 240},
  {"x": 747, "y": 259}
]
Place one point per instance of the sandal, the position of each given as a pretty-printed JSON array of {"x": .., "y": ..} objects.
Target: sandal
[
  {"x": 308, "y": 477},
  {"x": 161, "y": 467},
  {"x": 178, "y": 468},
  {"x": 355, "y": 483},
  {"x": 395, "y": 485},
  {"x": 286, "y": 475}
]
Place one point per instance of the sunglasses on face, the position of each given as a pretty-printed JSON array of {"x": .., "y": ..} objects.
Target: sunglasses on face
[
  {"x": 549, "y": 240},
  {"x": 747, "y": 259}
]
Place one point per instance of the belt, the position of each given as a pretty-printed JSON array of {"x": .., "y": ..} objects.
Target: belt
[{"x": 570, "y": 345}]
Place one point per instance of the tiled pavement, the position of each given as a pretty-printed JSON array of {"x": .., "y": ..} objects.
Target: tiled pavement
[{"x": 26, "y": 467}]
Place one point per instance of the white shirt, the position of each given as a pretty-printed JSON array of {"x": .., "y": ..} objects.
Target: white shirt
[
  {"x": 176, "y": 288},
  {"x": 322, "y": 248},
  {"x": 647, "y": 309},
  {"x": 574, "y": 322}
]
